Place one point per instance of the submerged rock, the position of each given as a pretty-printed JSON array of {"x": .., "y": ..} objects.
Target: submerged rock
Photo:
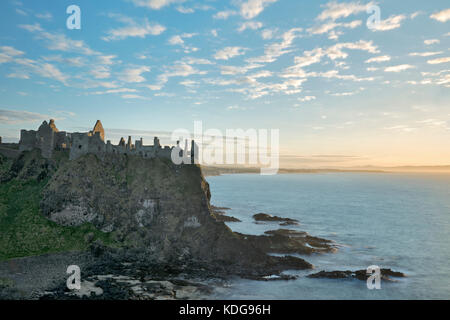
[
  {"x": 289, "y": 242},
  {"x": 386, "y": 274},
  {"x": 264, "y": 217}
]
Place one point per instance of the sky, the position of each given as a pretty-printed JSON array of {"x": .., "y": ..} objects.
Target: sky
[{"x": 341, "y": 91}]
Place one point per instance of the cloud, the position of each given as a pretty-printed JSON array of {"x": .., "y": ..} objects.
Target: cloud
[
  {"x": 75, "y": 61},
  {"x": 439, "y": 60},
  {"x": 113, "y": 91},
  {"x": 189, "y": 83},
  {"x": 155, "y": 87},
  {"x": 379, "y": 59},
  {"x": 59, "y": 41},
  {"x": 101, "y": 72},
  {"x": 179, "y": 40},
  {"x": 415, "y": 14},
  {"x": 21, "y": 12},
  {"x": 330, "y": 26},
  {"x": 132, "y": 96},
  {"x": 134, "y": 75},
  {"x": 335, "y": 10},
  {"x": 133, "y": 29},
  {"x": 390, "y": 23},
  {"x": 233, "y": 70},
  {"x": 40, "y": 68},
  {"x": 306, "y": 98},
  {"x": 401, "y": 128},
  {"x": 252, "y": 8},
  {"x": 175, "y": 40},
  {"x": 19, "y": 75},
  {"x": 44, "y": 16},
  {"x": 179, "y": 69},
  {"x": 275, "y": 50},
  {"x": 430, "y": 42},
  {"x": 7, "y": 54},
  {"x": 334, "y": 52},
  {"x": 267, "y": 34},
  {"x": 154, "y": 4},
  {"x": 16, "y": 117},
  {"x": 229, "y": 52},
  {"x": 399, "y": 68},
  {"x": 345, "y": 94},
  {"x": 253, "y": 25},
  {"x": 441, "y": 16},
  {"x": 425, "y": 54},
  {"x": 185, "y": 10},
  {"x": 191, "y": 60},
  {"x": 224, "y": 14}
]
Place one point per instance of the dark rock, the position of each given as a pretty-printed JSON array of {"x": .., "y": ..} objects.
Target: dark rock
[
  {"x": 269, "y": 218},
  {"x": 289, "y": 242},
  {"x": 224, "y": 218},
  {"x": 220, "y": 214},
  {"x": 359, "y": 274}
]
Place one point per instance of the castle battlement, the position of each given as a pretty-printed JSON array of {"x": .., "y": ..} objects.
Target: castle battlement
[{"x": 48, "y": 138}]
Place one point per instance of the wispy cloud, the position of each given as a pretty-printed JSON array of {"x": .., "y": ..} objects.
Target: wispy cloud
[
  {"x": 253, "y": 25},
  {"x": 225, "y": 14},
  {"x": 7, "y": 54},
  {"x": 430, "y": 42},
  {"x": 134, "y": 75},
  {"x": 59, "y": 41},
  {"x": 155, "y": 4},
  {"x": 133, "y": 29},
  {"x": 439, "y": 60},
  {"x": 390, "y": 23},
  {"x": 334, "y": 10},
  {"x": 251, "y": 8},
  {"x": 379, "y": 59},
  {"x": 17, "y": 117},
  {"x": 425, "y": 54},
  {"x": 399, "y": 68},
  {"x": 229, "y": 52}
]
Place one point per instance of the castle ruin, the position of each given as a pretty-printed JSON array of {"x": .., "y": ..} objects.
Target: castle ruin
[{"x": 48, "y": 139}]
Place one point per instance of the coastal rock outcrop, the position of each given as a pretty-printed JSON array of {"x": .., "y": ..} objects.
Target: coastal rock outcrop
[
  {"x": 264, "y": 217},
  {"x": 289, "y": 242},
  {"x": 155, "y": 206},
  {"x": 386, "y": 274}
]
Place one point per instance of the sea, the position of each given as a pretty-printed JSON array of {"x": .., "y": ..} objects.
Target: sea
[{"x": 391, "y": 220}]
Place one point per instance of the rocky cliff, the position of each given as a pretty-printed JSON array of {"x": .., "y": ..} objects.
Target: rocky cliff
[{"x": 151, "y": 207}]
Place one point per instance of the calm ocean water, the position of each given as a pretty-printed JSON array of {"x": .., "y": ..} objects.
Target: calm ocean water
[{"x": 398, "y": 221}]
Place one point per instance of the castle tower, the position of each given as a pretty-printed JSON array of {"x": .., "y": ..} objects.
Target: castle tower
[
  {"x": 98, "y": 128},
  {"x": 194, "y": 152},
  {"x": 53, "y": 126},
  {"x": 156, "y": 143}
]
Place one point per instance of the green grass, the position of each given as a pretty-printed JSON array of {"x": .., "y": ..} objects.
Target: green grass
[{"x": 25, "y": 232}]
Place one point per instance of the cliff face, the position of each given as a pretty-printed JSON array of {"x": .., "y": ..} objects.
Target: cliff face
[
  {"x": 125, "y": 206},
  {"x": 149, "y": 204}
]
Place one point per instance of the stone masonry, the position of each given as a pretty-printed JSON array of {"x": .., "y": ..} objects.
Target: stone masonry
[{"x": 48, "y": 138}]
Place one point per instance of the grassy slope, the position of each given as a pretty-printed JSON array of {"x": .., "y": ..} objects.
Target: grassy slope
[{"x": 25, "y": 232}]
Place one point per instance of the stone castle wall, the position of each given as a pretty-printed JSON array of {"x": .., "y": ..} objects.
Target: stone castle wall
[{"x": 47, "y": 138}]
